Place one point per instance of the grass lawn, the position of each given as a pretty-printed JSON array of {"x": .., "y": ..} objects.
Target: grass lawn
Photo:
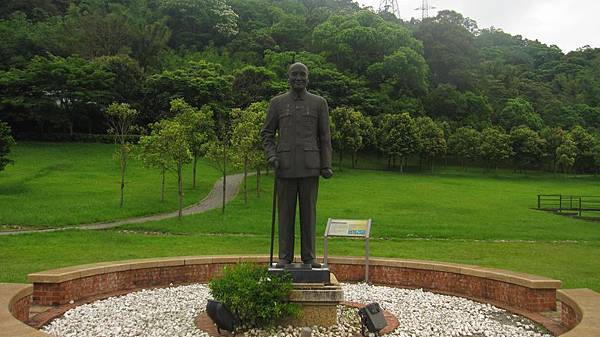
[
  {"x": 59, "y": 184},
  {"x": 448, "y": 205}
]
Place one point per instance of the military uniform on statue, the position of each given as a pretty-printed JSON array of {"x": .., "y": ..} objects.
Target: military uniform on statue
[{"x": 301, "y": 154}]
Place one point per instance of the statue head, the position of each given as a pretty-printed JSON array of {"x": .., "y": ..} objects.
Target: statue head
[{"x": 298, "y": 76}]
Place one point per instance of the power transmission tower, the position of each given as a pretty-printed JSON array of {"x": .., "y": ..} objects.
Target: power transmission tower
[
  {"x": 425, "y": 7},
  {"x": 390, "y": 6}
]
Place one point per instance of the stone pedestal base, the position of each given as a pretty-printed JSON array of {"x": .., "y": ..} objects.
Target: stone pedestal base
[{"x": 318, "y": 303}]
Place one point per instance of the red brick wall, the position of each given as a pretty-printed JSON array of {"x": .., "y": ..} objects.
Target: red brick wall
[
  {"x": 20, "y": 309},
  {"x": 535, "y": 300},
  {"x": 569, "y": 317},
  {"x": 62, "y": 293}
]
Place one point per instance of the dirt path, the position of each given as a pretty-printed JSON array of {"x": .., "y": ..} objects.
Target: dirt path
[{"x": 211, "y": 201}]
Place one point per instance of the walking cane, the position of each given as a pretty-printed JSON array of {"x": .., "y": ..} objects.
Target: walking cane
[{"x": 273, "y": 210}]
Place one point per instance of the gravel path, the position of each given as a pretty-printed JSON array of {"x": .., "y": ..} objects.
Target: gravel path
[
  {"x": 170, "y": 312},
  {"x": 211, "y": 201}
]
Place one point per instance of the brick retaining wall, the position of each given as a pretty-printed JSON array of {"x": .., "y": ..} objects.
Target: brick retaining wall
[
  {"x": 580, "y": 312},
  {"x": 527, "y": 292},
  {"x": 580, "y": 308},
  {"x": 509, "y": 294},
  {"x": 20, "y": 309}
]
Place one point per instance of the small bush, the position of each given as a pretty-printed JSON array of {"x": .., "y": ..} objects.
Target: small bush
[{"x": 257, "y": 298}]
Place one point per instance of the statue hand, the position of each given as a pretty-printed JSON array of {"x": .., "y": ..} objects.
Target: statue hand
[
  {"x": 273, "y": 162},
  {"x": 326, "y": 173}
]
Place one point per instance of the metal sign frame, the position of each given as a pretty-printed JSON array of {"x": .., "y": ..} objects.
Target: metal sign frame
[{"x": 366, "y": 236}]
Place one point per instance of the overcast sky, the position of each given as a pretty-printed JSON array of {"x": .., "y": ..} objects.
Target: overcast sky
[{"x": 569, "y": 24}]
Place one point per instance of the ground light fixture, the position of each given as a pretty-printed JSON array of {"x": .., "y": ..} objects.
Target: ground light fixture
[
  {"x": 220, "y": 314},
  {"x": 371, "y": 319}
]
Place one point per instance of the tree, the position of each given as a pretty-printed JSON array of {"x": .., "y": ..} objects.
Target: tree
[
  {"x": 516, "y": 112},
  {"x": 121, "y": 117},
  {"x": 246, "y": 140},
  {"x": 527, "y": 146},
  {"x": 446, "y": 103},
  {"x": 219, "y": 155},
  {"x": 566, "y": 154},
  {"x": 356, "y": 40},
  {"x": 155, "y": 153},
  {"x": 464, "y": 143},
  {"x": 449, "y": 49},
  {"x": 597, "y": 156},
  {"x": 553, "y": 138},
  {"x": 6, "y": 141},
  {"x": 405, "y": 71},
  {"x": 127, "y": 78},
  {"x": 495, "y": 146},
  {"x": 430, "y": 139},
  {"x": 58, "y": 90},
  {"x": 174, "y": 134},
  {"x": 196, "y": 22},
  {"x": 347, "y": 130},
  {"x": 397, "y": 137},
  {"x": 198, "y": 83},
  {"x": 199, "y": 128},
  {"x": 253, "y": 84},
  {"x": 585, "y": 143}
]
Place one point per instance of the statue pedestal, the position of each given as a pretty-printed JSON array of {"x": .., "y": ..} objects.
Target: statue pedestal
[
  {"x": 318, "y": 303},
  {"x": 302, "y": 273}
]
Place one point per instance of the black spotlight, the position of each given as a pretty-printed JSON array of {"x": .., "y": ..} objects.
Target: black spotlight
[
  {"x": 371, "y": 319},
  {"x": 221, "y": 316}
]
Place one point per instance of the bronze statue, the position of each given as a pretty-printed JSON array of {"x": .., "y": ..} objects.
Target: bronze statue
[{"x": 302, "y": 153}]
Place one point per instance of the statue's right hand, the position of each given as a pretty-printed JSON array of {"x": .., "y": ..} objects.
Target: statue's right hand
[{"x": 274, "y": 162}]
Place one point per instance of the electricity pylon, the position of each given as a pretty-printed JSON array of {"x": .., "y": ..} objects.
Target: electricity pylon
[
  {"x": 390, "y": 6},
  {"x": 425, "y": 7}
]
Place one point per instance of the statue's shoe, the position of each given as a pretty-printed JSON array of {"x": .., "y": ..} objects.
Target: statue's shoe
[
  {"x": 313, "y": 264},
  {"x": 282, "y": 263}
]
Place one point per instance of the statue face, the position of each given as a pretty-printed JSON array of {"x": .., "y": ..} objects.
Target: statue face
[{"x": 298, "y": 78}]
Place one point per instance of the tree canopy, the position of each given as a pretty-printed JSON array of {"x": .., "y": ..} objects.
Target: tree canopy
[{"x": 63, "y": 62}]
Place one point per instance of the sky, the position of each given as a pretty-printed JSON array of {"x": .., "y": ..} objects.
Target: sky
[{"x": 569, "y": 24}]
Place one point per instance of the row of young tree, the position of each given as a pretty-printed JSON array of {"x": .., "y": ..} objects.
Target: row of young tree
[
  {"x": 63, "y": 62},
  {"x": 400, "y": 136},
  {"x": 171, "y": 143}
]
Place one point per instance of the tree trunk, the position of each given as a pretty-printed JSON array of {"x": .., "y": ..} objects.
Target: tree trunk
[
  {"x": 224, "y": 178},
  {"x": 162, "y": 186},
  {"x": 180, "y": 187},
  {"x": 401, "y": 165},
  {"x": 194, "y": 171},
  {"x": 258, "y": 181},
  {"x": 245, "y": 180},
  {"x": 353, "y": 159},
  {"x": 123, "y": 163}
]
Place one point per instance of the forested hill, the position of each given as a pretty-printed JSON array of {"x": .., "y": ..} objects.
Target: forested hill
[{"x": 63, "y": 61}]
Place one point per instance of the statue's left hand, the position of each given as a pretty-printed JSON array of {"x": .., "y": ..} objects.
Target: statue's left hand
[{"x": 326, "y": 173}]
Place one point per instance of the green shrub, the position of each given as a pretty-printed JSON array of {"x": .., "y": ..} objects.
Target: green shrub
[{"x": 257, "y": 298}]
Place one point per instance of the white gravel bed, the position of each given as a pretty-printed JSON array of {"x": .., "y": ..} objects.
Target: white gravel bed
[{"x": 170, "y": 312}]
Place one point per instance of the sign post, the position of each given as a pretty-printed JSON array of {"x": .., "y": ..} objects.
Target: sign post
[{"x": 348, "y": 228}]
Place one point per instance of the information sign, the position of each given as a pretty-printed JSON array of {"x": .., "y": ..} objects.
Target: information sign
[
  {"x": 348, "y": 228},
  {"x": 342, "y": 227}
]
